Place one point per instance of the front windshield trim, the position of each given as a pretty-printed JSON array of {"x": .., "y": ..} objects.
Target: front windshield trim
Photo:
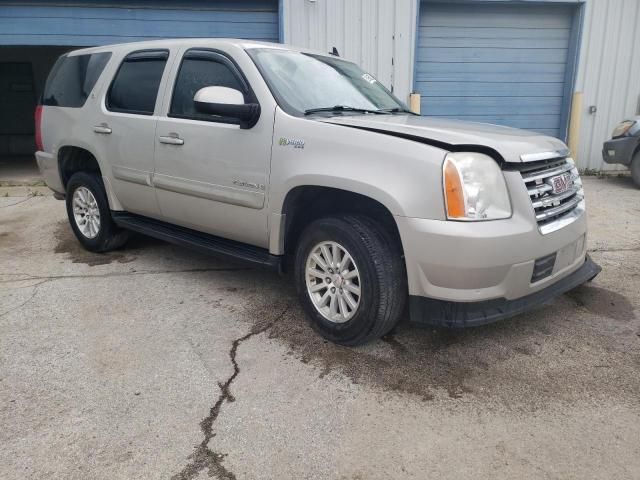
[{"x": 290, "y": 109}]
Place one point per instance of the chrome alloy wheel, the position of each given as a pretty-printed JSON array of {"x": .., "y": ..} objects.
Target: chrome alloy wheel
[
  {"x": 333, "y": 282},
  {"x": 86, "y": 212}
]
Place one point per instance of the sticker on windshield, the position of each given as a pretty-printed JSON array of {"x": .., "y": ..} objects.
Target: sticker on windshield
[{"x": 368, "y": 78}]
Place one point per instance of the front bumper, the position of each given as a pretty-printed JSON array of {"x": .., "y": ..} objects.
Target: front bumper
[
  {"x": 492, "y": 265},
  {"x": 477, "y": 261},
  {"x": 451, "y": 314},
  {"x": 619, "y": 150}
]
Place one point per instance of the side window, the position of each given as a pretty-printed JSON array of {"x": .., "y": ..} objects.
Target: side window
[
  {"x": 135, "y": 86},
  {"x": 201, "y": 69},
  {"x": 72, "y": 78}
]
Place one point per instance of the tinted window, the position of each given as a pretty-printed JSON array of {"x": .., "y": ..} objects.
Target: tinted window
[
  {"x": 72, "y": 79},
  {"x": 135, "y": 87},
  {"x": 196, "y": 73}
]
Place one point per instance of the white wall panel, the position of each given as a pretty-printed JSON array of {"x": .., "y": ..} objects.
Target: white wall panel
[
  {"x": 608, "y": 74},
  {"x": 377, "y": 34}
]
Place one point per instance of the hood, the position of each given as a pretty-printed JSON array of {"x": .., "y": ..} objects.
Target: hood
[{"x": 512, "y": 144}]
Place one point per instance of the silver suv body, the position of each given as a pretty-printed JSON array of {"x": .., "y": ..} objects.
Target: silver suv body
[{"x": 267, "y": 152}]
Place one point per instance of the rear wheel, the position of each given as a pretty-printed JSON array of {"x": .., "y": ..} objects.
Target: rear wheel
[
  {"x": 635, "y": 169},
  {"x": 351, "y": 279},
  {"x": 89, "y": 214}
]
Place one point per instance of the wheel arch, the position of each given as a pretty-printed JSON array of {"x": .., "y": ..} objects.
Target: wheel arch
[
  {"x": 75, "y": 157},
  {"x": 72, "y": 159},
  {"x": 305, "y": 203}
]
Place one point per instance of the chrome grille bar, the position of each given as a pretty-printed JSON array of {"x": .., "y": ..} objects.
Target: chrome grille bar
[
  {"x": 553, "y": 210},
  {"x": 551, "y": 200},
  {"x": 547, "y": 173}
]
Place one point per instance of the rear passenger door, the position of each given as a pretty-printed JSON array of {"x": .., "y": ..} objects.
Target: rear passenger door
[
  {"x": 211, "y": 175},
  {"x": 125, "y": 133}
]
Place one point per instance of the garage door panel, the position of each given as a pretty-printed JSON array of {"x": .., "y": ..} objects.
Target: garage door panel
[
  {"x": 483, "y": 55},
  {"x": 98, "y": 27},
  {"x": 488, "y": 77},
  {"x": 495, "y": 107},
  {"x": 201, "y": 14},
  {"x": 518, "y": 121},
  {"x": 489, "y": 67},
  {"x": 490, "y": 89},
  {"x": 468, "y": 15},
  {"x": 493, "y": 33},
  {"x": 500, "y": 43},
  {"x": 81, "y": 25},
  {"x": 504, "y": 64}
]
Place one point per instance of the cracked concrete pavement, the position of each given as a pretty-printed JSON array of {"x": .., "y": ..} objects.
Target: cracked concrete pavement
[{"x": 156, "y": 362}]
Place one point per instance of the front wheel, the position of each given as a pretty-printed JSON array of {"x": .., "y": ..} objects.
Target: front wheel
[{"x": 351, "y": 278}]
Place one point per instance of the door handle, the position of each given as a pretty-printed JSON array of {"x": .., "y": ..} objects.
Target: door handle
[
  {"x": 102, "y": 128},
  {"x": 171, "y": 139}
]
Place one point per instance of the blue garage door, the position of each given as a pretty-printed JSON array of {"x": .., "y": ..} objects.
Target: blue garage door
[
  {"x": 504, "y": 64},
  {"x": 115, "y": 21}
]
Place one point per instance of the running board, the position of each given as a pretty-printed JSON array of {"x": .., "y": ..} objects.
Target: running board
[{"x": 199, "y": 241}]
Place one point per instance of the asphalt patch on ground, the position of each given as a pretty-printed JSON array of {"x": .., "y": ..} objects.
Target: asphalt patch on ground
[
  {"x": 556, "y": 353},
  {"x": 9, "y": 238},
  {"x": 600, "y": 301},
  {"x": 67, "y": 243}
]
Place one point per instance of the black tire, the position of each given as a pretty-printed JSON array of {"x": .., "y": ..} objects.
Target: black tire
[
  {"x": 109, "y": 236},
  {"x": 382, "y": 277},
  {"x": 635, "y": 169}
]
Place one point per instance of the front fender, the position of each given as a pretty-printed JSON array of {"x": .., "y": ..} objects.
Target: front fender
[{"x": 403, "y": 175}]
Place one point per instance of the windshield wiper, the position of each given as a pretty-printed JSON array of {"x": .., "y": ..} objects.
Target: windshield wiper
[
  {"x": 395, "y": 110},
  {"x": 340, "y": 108}
]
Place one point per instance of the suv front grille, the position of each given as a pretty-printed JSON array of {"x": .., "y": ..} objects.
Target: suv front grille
[{"x": 553, "y": 208}]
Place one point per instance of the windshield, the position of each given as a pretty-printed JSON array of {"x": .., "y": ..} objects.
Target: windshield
[{"x": 304, "y": 83}]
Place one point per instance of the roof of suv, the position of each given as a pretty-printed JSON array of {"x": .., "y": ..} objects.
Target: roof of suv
[{"x": 201, "y": 42}]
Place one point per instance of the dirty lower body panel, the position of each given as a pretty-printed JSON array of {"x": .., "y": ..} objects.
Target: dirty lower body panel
[{"x": 434, "y": 312}]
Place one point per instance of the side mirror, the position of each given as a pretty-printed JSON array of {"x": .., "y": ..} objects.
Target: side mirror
[{"x": 227, "y": 102}]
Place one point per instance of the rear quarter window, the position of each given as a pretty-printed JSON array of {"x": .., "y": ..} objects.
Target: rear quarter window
[{"x": 72, "y": 78}]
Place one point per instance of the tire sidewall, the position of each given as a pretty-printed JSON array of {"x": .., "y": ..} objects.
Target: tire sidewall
[
  {"x": 635, "y": 169},
  {"x": 94, "y": 184},
  {"x": 363, "y": 321}
]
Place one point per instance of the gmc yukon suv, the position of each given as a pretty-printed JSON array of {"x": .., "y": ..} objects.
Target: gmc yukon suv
[{"x": 286, "y": 157}]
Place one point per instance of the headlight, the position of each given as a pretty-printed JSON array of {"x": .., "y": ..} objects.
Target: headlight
[
  {"x": 623, "y": 128},
  {"x": 474, "y": 187}
]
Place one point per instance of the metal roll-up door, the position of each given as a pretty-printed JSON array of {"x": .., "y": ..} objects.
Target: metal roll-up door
[
  {"x": 504, "y": 64},
  {"x": 117, "y": 21}
]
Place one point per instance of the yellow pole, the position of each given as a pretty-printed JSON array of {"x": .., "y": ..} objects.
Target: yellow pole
[
  {"x": 574, "y": 124},
  {"x": 414, "y": 103}
]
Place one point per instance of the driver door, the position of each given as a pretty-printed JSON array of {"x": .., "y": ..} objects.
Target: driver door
[{"x": 211, "y": 175}]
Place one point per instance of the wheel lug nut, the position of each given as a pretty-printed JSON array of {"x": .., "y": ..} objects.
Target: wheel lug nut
[
  {"x": 328, "y": 280},
  {"x": 333, "y": 289}
]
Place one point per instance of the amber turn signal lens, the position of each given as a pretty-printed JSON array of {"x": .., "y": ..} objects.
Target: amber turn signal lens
[{"x": 453, "y": 193}]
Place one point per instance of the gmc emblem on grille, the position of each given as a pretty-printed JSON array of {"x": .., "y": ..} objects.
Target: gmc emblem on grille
[{"x": 561, "y": 183}]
